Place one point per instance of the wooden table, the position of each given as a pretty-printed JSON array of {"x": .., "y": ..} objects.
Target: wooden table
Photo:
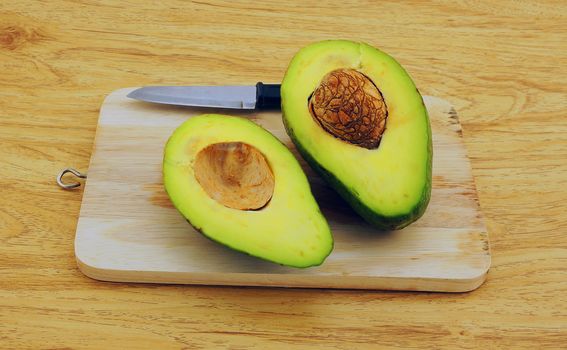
[{"x": 503, "y": 64}]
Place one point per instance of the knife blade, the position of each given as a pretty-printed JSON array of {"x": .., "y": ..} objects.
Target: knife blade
[{"x": 260, "y": 96}]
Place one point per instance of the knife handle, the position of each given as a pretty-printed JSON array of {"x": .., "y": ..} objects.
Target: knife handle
[{"x": 268, "y": 96}]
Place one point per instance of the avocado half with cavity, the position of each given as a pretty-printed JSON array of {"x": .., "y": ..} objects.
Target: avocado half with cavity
[
  {"x": 240, "y": 186},
  {"x": 357, "y": 118}
]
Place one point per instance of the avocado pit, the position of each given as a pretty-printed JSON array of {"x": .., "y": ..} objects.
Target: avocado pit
[
  {"x": 349, "y": 106},
  {"x": 235, "y": 174}
]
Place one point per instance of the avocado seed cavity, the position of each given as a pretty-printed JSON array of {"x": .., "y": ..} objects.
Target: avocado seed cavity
[
  {"x": 350, "y": 107},
  {"x": 235, "y": 174}
]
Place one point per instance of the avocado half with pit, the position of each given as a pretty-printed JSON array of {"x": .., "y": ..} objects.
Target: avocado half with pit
[
  {"x": 240, "y": 186},
  {"x": 357, "y": 118}
]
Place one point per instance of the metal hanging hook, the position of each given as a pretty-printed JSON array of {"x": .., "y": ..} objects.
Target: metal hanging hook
[{"x": 70, "y": 186}]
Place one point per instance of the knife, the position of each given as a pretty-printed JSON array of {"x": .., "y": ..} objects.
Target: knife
[{"x": 260, "y": 96}]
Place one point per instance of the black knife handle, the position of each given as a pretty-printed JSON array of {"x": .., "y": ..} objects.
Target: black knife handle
[{"x": 268, "y": 96}]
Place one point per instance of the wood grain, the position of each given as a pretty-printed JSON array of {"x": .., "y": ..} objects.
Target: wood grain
[
  {"x": 129, "y": 231},
  {"x": 502, "y": 64}
]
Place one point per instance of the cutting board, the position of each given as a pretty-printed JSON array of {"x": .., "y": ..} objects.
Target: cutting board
[{"x": 129, "y": 231}]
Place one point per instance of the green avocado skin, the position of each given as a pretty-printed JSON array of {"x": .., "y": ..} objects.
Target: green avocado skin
[{"x": 380, "y": 221}]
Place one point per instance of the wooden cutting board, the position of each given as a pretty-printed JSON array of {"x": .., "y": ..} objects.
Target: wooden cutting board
[{"x": 129, "y": 231}]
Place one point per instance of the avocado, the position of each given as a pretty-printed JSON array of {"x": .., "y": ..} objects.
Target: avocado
[
  {"x": 357, "y": 118},
  {"x": 240, "y": 186}
]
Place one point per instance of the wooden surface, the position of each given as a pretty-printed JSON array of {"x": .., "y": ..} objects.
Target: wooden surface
[
  {"x": 502, "y": 64},
  {"x": 128, "y": 230}
]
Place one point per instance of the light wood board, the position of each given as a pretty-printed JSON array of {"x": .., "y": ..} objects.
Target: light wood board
[{"x": 129, "y": 231}]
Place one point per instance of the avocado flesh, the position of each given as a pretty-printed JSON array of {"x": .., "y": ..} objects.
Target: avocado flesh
[
  {"x": 388, "y": 186},
  {"x": 289, "y": 230}
]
